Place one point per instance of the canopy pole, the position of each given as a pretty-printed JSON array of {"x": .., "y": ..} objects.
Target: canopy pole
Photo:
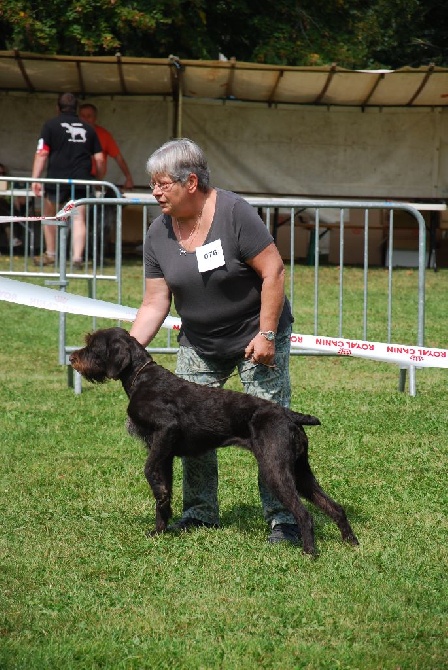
[
  {"x": 179, "y": 110},
  {"x": 177, "y": 70}
]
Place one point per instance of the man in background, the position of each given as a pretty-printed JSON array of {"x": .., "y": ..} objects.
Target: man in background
[
  {"x": 88, "y": 113},
  {"x": 68, "y": 146}
]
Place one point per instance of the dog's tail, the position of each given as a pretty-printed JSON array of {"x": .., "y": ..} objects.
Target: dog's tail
[{"x": 304, "y": 419}]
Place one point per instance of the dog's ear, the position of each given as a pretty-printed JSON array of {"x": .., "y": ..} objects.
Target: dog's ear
[{"x": 118, "y": 353}]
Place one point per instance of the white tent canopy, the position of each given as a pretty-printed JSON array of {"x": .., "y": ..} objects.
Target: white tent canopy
[
  {"x": 224, "y": 80},
  {"x": 321, "y": 131}
]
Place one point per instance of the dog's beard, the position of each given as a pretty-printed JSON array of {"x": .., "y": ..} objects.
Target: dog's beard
[{"x": 89, "y": 370}]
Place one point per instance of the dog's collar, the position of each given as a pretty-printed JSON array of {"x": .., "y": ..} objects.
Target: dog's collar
[{"x": 138, "y": 372}]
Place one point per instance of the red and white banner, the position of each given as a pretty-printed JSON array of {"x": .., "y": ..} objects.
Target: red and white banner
[
  {"x": 402, "y": 354},
  {"x": 60, "y": 301},
  {"x": 63, "y": 215}
]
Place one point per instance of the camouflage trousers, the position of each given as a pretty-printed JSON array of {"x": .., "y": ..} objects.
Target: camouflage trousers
[{"x": 200, "y": 475}]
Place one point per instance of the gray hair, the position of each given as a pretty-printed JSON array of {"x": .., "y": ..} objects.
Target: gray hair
[{"x": 178, "y": 159}]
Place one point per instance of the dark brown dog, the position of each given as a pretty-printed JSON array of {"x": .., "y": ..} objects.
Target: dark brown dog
[{"x": 175, "y": 417}]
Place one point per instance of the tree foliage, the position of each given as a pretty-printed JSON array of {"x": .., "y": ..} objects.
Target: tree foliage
[{"x": 351, "y": 33}]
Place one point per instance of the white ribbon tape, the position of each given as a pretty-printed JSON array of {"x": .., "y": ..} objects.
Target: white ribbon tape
[
  {"x": 401, "y": 354},
  {"x": 62, "y": 215},
  {"x": 60, "y": 301}
]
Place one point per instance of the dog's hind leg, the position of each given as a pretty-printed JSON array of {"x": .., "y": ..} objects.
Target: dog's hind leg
[
  {"x": 274, "y": 448},
  {"x": 159, "y": 475},
  {"x": 279, "y": 479},
  {"x": 309, "y": 488}
]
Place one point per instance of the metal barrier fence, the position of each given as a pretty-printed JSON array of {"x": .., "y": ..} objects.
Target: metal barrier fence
[
  {"x": 320, "y": 223},
  {"x": 18, "y": 199},
  {"x": 312, "y": 221},
  {"x": 22, "y": 241},
  {"x": 301, "y": 228}
]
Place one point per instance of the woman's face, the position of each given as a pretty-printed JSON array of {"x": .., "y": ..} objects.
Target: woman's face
[{"x": 172, "y": 196}]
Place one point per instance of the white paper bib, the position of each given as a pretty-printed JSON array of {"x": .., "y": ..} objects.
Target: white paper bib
[{"x": 210, "y": 256}]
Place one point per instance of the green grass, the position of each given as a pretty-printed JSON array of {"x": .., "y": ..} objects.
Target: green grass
[{"x": 82, "y": 587}]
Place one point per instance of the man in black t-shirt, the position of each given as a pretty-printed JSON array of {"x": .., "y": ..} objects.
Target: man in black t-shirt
[{"x": 66, "y": 146}]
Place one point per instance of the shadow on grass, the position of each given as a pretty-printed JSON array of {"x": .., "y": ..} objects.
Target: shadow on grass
[{"x": 249, "y": 518}]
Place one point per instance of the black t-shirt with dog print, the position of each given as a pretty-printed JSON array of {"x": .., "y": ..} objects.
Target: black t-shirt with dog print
[{"x": 71, "y": 145}]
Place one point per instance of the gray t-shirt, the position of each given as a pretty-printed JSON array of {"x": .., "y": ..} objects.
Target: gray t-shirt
[{"x": 219, "y": 308}]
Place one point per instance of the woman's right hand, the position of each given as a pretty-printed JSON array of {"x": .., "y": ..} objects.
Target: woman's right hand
[{"x": 37, "y": 188}]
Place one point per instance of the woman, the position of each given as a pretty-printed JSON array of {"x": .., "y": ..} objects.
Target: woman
[{"x": 211, "y": 253}]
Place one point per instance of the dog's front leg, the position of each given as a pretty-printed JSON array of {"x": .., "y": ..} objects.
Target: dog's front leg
[{"x": 159, "y": 475}]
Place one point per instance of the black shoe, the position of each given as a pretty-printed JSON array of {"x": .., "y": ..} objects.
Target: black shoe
[
  {"x": 184, "y": 525},
  {"x": 285, "y": 532}
]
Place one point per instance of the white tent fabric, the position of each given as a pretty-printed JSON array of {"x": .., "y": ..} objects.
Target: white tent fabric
[
  {"x": 224, "y": 80},
  {"x": 272, "y": 130}
]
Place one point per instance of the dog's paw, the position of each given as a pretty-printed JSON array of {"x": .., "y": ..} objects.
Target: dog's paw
[
  {"x": 153, "y": 532},
  {"x": 352, "y": 539},
  {"x": 309, "y": 549}
]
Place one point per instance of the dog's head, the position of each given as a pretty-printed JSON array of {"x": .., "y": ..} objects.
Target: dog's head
[{"x": 108, "y": 352}]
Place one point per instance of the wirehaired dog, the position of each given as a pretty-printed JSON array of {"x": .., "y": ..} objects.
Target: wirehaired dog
[{"x": 174, "y": 417}]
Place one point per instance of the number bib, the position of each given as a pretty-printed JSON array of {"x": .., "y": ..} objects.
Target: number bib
[{"x": 210, "y": 256}]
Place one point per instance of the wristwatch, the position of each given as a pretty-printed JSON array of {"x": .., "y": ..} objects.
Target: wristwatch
[{"x": 268, "y": 334}]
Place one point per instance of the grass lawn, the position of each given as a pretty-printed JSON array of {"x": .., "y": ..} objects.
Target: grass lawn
[{"x": 83, "y": 587}]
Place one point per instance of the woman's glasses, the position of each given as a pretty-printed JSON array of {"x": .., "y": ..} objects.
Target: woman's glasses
[{"x": 163, "y": 186}]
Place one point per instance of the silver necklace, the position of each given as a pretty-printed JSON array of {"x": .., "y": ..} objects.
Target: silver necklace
[{"x": 183, "y": 243}]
